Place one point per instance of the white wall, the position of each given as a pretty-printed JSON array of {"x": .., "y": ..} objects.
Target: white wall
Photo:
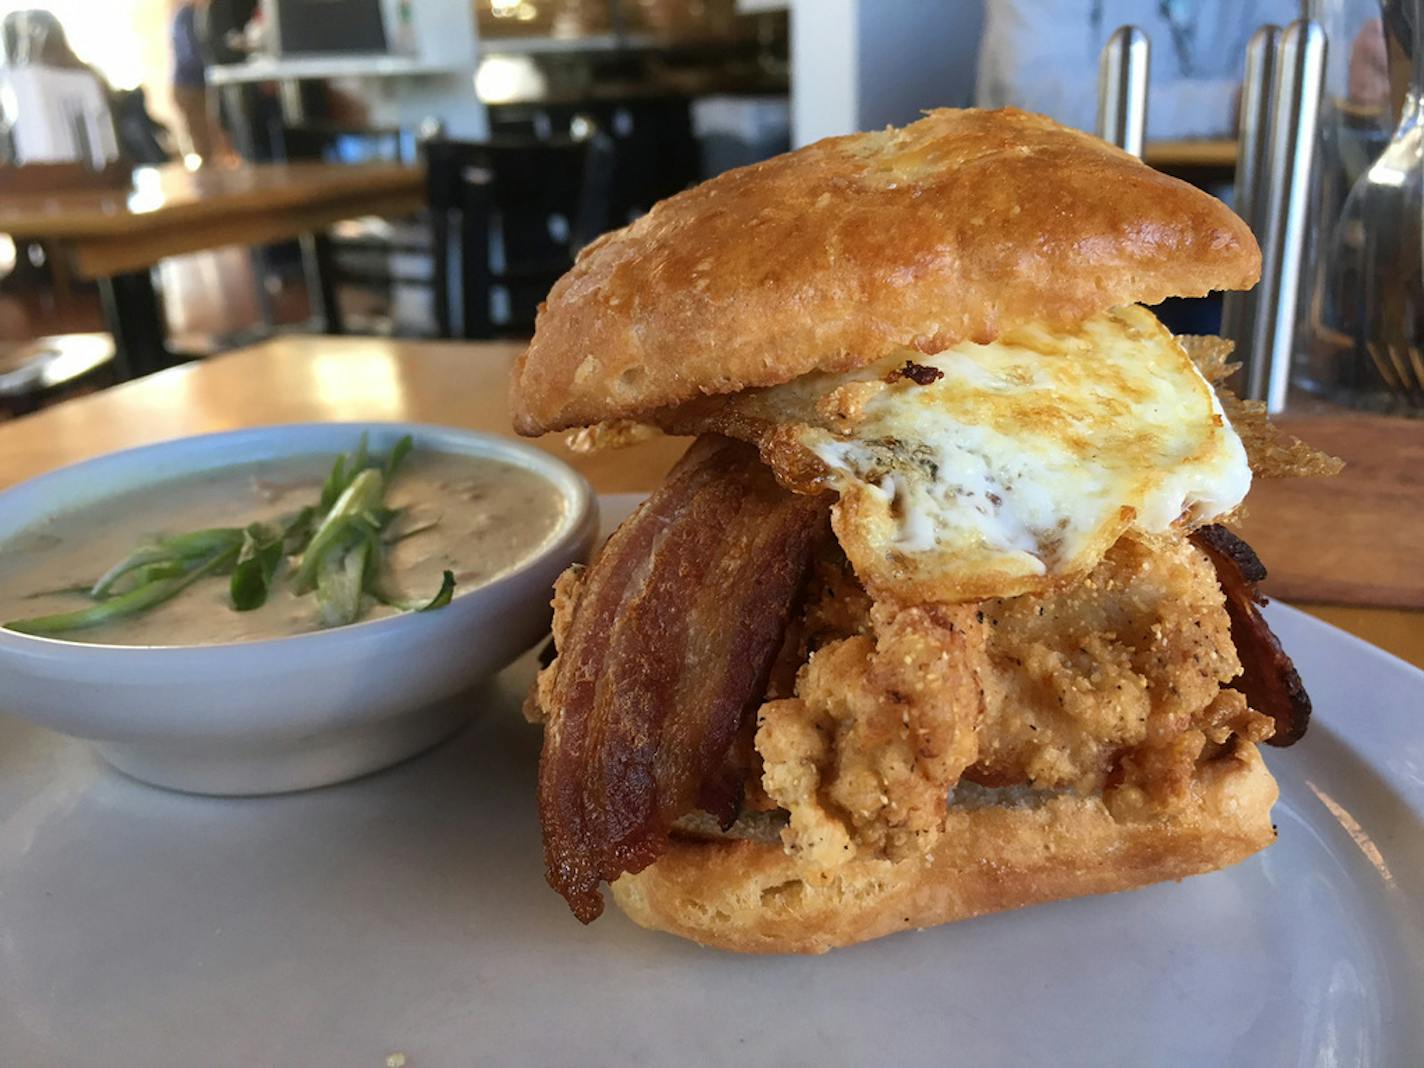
[
  {"x": 914, "y": 55},
  {"x": 446, "y": 36},
  {"x": 825, "y": 70},
  {"x": 863, "y": 64}
]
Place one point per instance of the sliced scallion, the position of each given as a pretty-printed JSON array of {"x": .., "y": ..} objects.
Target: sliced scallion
[
  {"x": 362, "y": 494},
  {"x": 141, "y": 598},
  {"x": 337, "y": 548}
]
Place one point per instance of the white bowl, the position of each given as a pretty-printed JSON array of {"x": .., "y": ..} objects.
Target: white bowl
[{"x": 290, "y": 713}]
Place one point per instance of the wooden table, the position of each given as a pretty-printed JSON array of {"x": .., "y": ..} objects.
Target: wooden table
[
  {"x": 116, "y": 236},
  {"x": 299, "y": 379}
]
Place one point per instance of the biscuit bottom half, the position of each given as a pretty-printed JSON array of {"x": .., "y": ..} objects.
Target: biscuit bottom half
[{"x": 1001, "y": 849}]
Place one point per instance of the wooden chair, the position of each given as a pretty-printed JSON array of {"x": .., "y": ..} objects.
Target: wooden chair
[{"x": 507, "y": 218}]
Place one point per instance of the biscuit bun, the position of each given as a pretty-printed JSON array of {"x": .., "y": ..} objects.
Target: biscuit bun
[
  {"x": 995, "y": 854},
  {"x": 834, "y": 256}
]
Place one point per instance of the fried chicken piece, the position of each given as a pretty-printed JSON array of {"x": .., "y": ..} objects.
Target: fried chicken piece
[
  {"x": 834, "y": 606},
  {"x": 882, "y": 725},
  {"x": 1135, "y": 654},
  {"x": 568, "y": 588},
  {"x": 1115, "y": 683}
]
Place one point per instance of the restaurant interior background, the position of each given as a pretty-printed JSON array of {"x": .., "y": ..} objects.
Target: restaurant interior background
[{"x": 181, "y": 179}]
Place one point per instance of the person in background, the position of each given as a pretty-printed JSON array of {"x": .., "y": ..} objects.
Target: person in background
[
  {"x": 36, "y": 38},
  {"x": 221, "y": 26},
  {"x": 190, "y": 83},
  {"x": 1042, "y": 55},
  {"x": 1367, "y": 86},
  {"x": 243, "y": 110}
]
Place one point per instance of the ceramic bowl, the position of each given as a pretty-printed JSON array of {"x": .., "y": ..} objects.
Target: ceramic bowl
[{"x": 289, "y": 713}]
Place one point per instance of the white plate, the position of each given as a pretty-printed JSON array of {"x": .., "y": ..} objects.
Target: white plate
[{"x": 407, "y": 913}]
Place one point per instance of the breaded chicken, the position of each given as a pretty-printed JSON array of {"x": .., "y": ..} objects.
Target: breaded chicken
[
  {"x": 1113, "y": 684},
  {"x": 1134, "y": 654},
  {"x": 880, "y": 729}
]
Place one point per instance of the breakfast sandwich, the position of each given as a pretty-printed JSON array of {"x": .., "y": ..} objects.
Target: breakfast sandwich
[{"x": 940, "y": 614}]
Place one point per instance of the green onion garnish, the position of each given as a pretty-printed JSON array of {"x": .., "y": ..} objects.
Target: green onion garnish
[
  {"x": 148, "y": 594},
  {"x": 335, "y": 548}
]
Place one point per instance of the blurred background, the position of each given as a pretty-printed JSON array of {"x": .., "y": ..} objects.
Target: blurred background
[{"x": 527, "y": 127}]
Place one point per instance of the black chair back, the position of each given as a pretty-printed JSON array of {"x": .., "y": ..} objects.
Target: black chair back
[
  {"x": 507, "y": 218},
  {"x": 650, "y": 139}
]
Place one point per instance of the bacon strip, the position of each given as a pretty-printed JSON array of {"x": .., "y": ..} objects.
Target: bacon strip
[
  {"x": 670, "y": 643},
  {"x": 1268, "y": 678}
]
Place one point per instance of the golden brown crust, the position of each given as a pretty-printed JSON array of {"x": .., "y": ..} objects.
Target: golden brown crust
[
  {"x": 833, "y": 256},
  {"x": 1272, "y": 452},
  {"x": 612, "y": 434},
  {"x": 1130, "y": 657},
  {"x": 881, "y": 727},
  {"x": 750, "y": 896}
]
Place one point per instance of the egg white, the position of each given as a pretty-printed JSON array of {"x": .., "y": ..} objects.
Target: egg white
[{"x": 1026, "y": 459}]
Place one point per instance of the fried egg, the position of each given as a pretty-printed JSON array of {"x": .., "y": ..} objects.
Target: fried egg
[{"x": 998, "y": 469}]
